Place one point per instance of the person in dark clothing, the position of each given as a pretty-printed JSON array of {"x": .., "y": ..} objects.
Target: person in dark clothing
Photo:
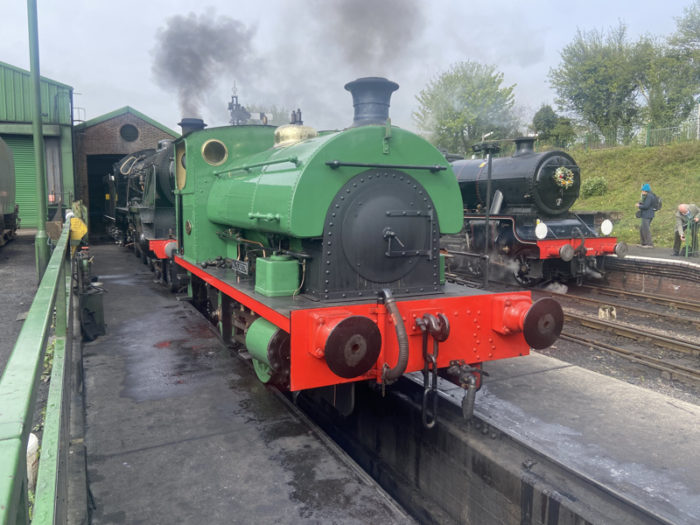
[
  {"x": 646, "y": 210},
  {"x": 687, "y": 215}
]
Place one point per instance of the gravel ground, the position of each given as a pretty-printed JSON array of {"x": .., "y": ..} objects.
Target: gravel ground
[{"x": 19, "y": 284}]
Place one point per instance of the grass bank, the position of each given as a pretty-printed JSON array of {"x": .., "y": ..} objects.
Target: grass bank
[{"x": 673, "y": 171}]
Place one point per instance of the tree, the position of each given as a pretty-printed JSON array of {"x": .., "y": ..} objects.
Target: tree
[
  {"x": 666, "y": 83},
  {"x": 669, "y": 72},
  {"x": 550, "y": 127},
  {"x": 596, "y": 81},
  {"x": 544, "y": 121},
  {"x": 686, "y": 39},
  {"x": 563, "y": 134},
  {"x": 464, "y": 103}
]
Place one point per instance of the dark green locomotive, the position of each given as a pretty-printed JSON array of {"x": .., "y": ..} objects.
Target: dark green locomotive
[
  {"x": 141, "y": 205},
  {"x": 532, "y": 231}
]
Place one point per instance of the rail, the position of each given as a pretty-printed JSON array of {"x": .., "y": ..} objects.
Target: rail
[
  {"x": 635, "y": 332},
  {"x": 49, "y": 318}
]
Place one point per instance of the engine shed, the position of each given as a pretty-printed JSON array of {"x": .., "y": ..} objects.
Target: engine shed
[{"x": 102, "y": 141}]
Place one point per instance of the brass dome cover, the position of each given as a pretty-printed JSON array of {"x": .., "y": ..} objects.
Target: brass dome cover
[{"x": 293, "y": 133}]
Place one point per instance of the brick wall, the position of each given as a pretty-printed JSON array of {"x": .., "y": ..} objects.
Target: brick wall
[{"x": 104, "y": 139}]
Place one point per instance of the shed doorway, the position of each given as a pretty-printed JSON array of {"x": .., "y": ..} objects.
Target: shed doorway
[{"x": 98, "y": 168}]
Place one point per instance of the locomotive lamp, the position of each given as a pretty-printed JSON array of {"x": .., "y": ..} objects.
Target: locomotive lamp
[{"x": 606, "y": 227}]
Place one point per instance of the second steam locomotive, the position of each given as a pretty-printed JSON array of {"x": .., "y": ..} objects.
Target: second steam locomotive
[
  {"x": 141, "y": 208},
  {"x": 517, "y": 211}
]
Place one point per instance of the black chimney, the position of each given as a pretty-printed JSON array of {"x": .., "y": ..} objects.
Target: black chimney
[
  {"x": 189, "y": 125},
  {"x": 370, "y": 97},
  {"x": 524, "y": 145}
]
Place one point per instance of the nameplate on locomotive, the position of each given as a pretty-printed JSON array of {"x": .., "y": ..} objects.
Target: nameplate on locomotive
[{"x": 239, "y": 266}]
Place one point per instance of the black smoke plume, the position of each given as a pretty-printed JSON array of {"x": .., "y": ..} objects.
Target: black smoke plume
[
  {"x": 370, "y": 35},
  {"x": 194, "y": 54}
]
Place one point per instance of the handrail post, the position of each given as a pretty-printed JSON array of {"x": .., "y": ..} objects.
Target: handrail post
[{"x": 61, "y": 313}]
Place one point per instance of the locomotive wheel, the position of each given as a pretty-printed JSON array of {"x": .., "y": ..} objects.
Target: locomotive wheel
[
  {"x": 263, "y": 371},
  {"x": 521, "y": 273},
  {"x": 173, "y": 277},
  {"x": 199, "y": 294}
]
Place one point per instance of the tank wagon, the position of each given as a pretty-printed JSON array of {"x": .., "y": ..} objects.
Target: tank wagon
[
  {"x": 531, "y": 230},
  {"x": 9, "y": 210},
  {"x": 320, "y": 254}
]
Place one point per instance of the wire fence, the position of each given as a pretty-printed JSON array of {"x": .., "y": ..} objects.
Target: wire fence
[{"x": 687, "y": 131}]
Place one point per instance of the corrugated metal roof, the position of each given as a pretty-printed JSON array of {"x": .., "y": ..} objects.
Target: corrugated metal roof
[{"x": 16, "y": 101}]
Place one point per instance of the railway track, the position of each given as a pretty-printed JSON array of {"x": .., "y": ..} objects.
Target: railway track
[
  {"x": 683, "y": 350},
  {"x": 671, "y": 302},
  {"x": 647, "y": 321},
  {"x": 670, "y": 316},
  {"x": 666, "y": 365},
  {"x": 636, "y": 332}
]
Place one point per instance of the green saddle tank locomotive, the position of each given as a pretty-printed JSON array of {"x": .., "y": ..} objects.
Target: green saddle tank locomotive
[{"x": 320, "y": 253}]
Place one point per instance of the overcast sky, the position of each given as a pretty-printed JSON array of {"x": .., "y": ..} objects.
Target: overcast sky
[{"x": 301, "y": 53}]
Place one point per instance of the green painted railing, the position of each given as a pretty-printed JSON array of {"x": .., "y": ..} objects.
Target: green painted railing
[{"x": 18, "y": 393}]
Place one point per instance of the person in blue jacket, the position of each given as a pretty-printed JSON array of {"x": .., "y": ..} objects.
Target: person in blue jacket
[{"x": 646, "y": 212}]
